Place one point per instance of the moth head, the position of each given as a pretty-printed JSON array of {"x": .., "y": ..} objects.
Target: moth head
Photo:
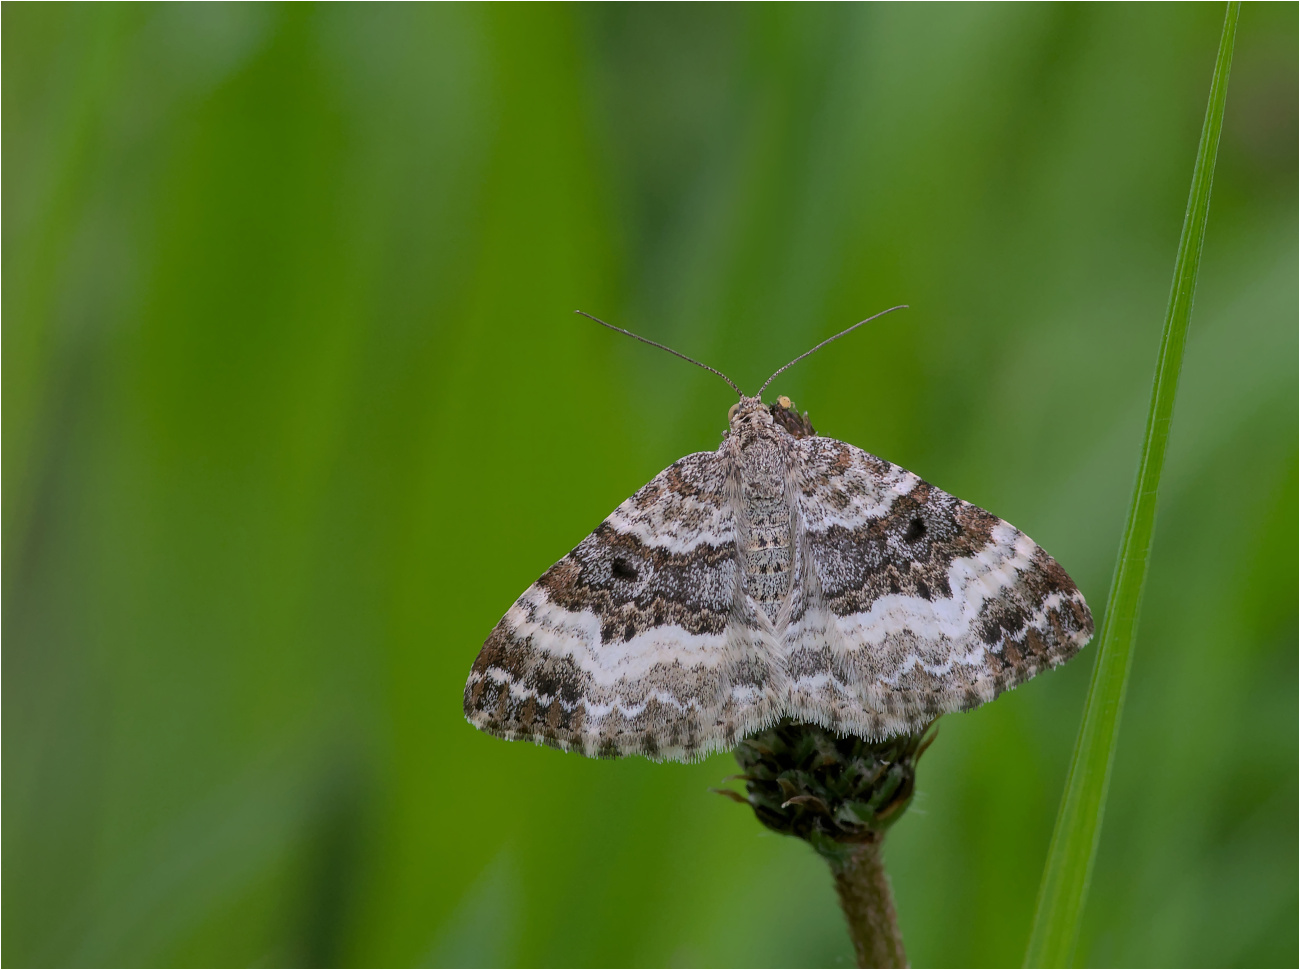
[{"x": 749, "y": 414}]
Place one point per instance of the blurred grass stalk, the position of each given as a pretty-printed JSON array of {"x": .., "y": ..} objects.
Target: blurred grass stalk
[{"x": 1064, "y": 888}]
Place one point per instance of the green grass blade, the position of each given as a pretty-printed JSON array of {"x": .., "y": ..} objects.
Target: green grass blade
[{"x": 1078, "y": 823}]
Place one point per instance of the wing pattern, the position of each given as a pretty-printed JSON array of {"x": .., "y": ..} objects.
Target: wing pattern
[
  {"x": 918, "y": 603},
  {"x": 638, "y": 640}
]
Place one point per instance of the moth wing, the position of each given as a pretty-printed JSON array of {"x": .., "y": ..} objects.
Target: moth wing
[
  {"x": 914, "y": 602},
  {"x": 637, "y": 641}
]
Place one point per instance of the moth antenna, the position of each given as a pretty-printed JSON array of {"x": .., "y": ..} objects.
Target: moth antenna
[
  {"x": 583, "y": 313},
  {"x": 807, "y": 353}
]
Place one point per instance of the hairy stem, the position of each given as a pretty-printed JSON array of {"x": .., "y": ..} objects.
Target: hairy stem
[
  {"x": 839, "y": 794},
  {"x": 868, "y": 906}
]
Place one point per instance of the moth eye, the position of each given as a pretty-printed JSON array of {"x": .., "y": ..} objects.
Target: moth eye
[
  {"x": 731, "y": 412},
  {"x": 624, "y": 570},
  {"x": 915, "y": 530}
]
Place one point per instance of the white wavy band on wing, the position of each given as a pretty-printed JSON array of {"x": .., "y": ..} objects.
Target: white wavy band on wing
[
  {"x": 873, "y": 501},
  {"x": 713, "y": 527},
  {"x": 562, "y": 633},
  {"x": 973, "y": 581}
]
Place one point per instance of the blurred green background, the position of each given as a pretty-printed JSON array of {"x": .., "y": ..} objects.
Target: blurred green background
[{"x": 295, "y": 404}]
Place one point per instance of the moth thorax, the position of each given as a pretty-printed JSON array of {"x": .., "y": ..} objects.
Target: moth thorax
[{"x": 766, "y": 536}]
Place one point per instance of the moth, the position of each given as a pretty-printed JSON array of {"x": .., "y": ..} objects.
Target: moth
[{"x": 785, "y": 575}]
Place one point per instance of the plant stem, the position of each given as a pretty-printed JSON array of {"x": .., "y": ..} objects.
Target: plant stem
[
  {"x": 868, "y": 905},
  {"x": 1073, "y": 849}
]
